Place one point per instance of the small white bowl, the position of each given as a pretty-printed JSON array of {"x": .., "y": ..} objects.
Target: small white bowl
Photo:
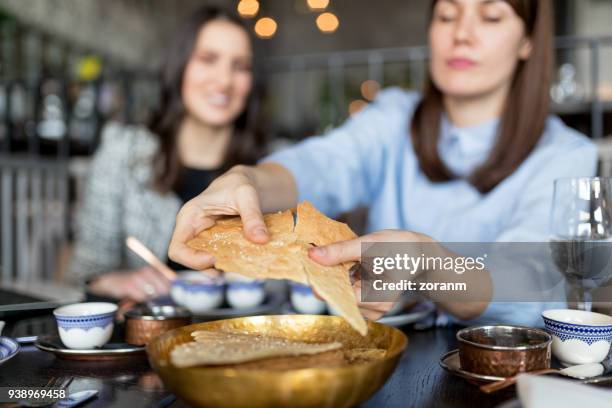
[
  {"x": 85, "y": 325},
  {"x": 304, "y": 301},
  {"x": 243, "y": 292},
  {"x": 197, "y": 292},
  {"x": 579, "y": 337}
]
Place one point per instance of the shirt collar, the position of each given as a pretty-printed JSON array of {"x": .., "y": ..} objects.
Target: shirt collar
[
  {"x": 470, "y": 140},
  {"x": 465, "y": 148}
]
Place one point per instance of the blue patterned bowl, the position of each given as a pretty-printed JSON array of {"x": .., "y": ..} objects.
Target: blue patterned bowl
[
  {"x": 579, "y": 337},
  {"x": 8, "y": 349},
  {"x": 243, "y": 292},
  {"x": 303, "y": 299},
  {"x": 85, "y": 325},
  {"x": 197, "y": 291}
]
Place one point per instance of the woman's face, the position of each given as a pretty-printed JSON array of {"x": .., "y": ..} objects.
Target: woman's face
[
  {"x": 218, "y": 77},
  {"x": 476, "y": 46}
]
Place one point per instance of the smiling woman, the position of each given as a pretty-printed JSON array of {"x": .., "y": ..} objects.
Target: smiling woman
[{"x": 208, "y": 121}]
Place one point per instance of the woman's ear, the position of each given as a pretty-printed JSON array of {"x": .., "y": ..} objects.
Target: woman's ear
[{"x": 525, "y": 49}]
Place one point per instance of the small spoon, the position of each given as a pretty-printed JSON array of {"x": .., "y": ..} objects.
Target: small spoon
[{"x": 579, "y": 372}]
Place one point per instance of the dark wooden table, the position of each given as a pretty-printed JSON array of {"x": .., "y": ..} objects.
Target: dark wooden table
[{"x": 418, "y": 381}]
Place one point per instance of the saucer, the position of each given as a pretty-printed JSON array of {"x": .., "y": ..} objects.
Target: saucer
[
  {"x": 450, "y": 362},
  {"x": 109, "y": 351}
]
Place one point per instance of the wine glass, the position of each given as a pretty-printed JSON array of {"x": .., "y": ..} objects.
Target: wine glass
[{"x": 581, "y": 242}]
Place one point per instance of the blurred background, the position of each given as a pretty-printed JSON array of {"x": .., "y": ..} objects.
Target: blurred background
[{"x": 69, "y": 66}]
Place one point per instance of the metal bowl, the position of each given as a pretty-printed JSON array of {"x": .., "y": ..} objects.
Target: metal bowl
[
  {"x": 503, "y": 351},
  {"x": 144, "y": 323},
  {"x": 342, "y": 386}
]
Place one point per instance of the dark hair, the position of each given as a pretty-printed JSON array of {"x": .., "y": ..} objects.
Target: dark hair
[
  {"x": 247, "y": 143},
  {"x": 524, "y": 115}
]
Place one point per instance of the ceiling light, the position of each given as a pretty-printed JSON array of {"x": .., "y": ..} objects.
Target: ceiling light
[
  {"x": 248, "y": 8},
  {"x": 317, "y": 5},
  {"x": 327, "y": 22},
  {"x": 265, "y": 27}
]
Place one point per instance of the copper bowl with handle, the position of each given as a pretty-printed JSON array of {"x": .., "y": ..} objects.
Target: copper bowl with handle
[
  {"x": 236, "y": 386},
  {"x": 503, "y": 351},
  {"x": 143, "y": 322}
]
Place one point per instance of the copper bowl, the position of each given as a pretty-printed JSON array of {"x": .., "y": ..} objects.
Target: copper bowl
[
  {"x": 143, "y": 323},
  {"x": 340, "y": 386},
  {"x": 503, "y": 351}
]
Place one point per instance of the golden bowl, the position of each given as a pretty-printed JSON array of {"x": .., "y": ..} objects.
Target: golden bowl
[{"x": 342, "y": 386}]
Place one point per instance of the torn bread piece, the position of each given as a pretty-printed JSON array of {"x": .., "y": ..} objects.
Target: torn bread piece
[
  {"x": 314, "y": 227},
  {"x": 332, "y": 283}
]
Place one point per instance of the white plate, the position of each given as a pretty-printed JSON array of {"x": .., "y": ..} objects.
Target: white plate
[{"x": 417, "y": 313}]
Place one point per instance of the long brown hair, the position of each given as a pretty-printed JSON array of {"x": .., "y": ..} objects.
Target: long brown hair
[
  {"x": 524, "y": 115},
  {"x": 247, "y": 143}
]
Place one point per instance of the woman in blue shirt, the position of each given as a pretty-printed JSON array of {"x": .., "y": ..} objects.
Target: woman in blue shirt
[{"x": 473, "y": 158}]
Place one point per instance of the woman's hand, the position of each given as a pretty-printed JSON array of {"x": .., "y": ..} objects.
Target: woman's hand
[
  {"x": 236, "y": 192},
  {"x": 349, "y": 251},
  {"x": 137, "y": 285},
  {"x": 463, "y": 305}
]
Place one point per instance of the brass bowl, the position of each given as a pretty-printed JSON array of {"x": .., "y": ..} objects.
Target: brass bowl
[
  {"x": 503, "y": 351},
  {"x": 144, "y": 323},
  {"x": 343, "y": 386}
]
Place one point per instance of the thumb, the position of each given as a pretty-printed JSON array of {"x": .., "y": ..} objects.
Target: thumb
[
  {"x": 337, "y": 253},
  {"x": 255, "y": 228}
]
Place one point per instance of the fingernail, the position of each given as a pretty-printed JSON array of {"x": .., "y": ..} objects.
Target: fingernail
[
  {"x": 319, "y": 251},
  {"x": 260, "y": 231}
]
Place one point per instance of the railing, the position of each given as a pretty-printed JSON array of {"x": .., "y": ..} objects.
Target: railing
[{"x": 33, "y": 214}]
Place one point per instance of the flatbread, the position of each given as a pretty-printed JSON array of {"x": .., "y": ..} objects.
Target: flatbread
[
  {"x": 285, "y": 256},
  {"x": 327, "y": 359},
  {"x": 277, "y": 259},
  {"x": 314, "y": 227},
  {"x": 332, "y": 283},
  {"x": 220, "y": 348}
]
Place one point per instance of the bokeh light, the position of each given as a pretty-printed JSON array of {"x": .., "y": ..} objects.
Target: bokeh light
[
  {"x": 327, "y": 22},
  {"x": 369, "y": 89},
  {"x": 318, "y": 5},
  {"x": 356, "y": 106},
  {"x": 265, "y": 27},
  {"x": 248, "y": 8}
]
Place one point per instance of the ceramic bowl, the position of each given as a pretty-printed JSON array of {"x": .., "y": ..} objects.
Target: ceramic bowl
[
  {"x": 579, "y": 337},
  {"x": 243, "y": 292},
  {"x": 85, "y": 325},
  {"x": 8, "y": 349},
  {"x": 197, "y": 291},
  {"x": 304, "y": 301}
]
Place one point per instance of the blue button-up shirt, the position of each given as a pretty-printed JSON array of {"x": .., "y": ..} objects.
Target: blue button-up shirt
[{"x": 370, "y": 161}]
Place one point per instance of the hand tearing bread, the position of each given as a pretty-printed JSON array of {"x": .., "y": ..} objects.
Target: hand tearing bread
[{"x": 285, "y": 256}]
